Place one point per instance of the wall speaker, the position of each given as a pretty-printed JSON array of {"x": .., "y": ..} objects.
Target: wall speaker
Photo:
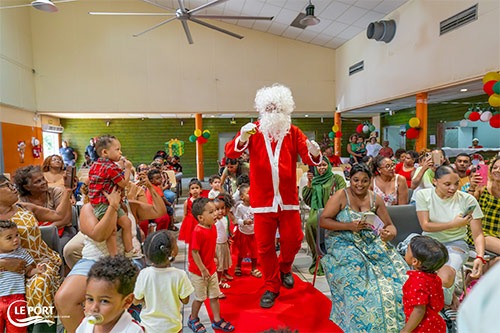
[{"x": 381, "y": 31}]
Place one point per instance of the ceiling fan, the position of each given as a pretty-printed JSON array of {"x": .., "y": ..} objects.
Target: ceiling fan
[
  {"x": 43, "y": 5},
  {"x": 184, "y": 15}
]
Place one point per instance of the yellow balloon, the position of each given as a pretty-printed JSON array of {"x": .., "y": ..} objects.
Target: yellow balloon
[
  {"x": 197, "y": 132},
  {"x": 491, "y": 76},
  {"x": 414, "y": 122},
  {"x": 335, "y": 128},
  {"x": 494, "y": 100}
]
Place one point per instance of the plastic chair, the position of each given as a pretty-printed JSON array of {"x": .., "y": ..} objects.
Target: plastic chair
[
  {"x": 405, "y": 219},
  {"x": 320, "y": 245},
  {"x": 51, "y": 238}
]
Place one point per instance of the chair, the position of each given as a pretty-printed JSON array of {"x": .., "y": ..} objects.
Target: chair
[
  {"x": 410, "y": 194},
  {"x": 320, "y": 245},
  {"x": 174, "y": 183},
  {"x": 405, "y": 219},
  {"x": 51, "y": 237}
]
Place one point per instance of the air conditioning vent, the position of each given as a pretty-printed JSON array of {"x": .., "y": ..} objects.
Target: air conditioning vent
[
  {"x": 458, "y": 20},
  {"x": 357, "y": 67},
  {"x": 52, "y": 128}
]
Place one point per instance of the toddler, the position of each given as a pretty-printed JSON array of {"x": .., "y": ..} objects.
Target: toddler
[
  {"x": 189, "y": 221},
  {"x": 202, "y": 267},
  {"x": 13, "y": 286},
  {"x": 215, "y": 183},
  {"x": 162, "y": 288},
  {"x": 223, "y": 204},
  {"x": 423, "y": 296},
  {"x": 108, "y": 295},
  {"x": 104, "y": 175}
]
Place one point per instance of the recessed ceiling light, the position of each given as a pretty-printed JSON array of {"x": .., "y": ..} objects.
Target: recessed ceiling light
[
  {"x": 306, "y": 115},
  {"x": 464, "y": 90},
  {"x": 387, "y": 109}
]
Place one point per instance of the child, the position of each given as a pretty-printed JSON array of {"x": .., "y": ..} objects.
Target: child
[
  {"x": 162, "y": 288},
  {"x": 245, "y": 239},
  {"x": 104, "y": 175},
  {"x": 189, "y": 221},
  {"x": 202, "y": 267},
  {"x": 108, "y": 295},
  {"x": 163, "y": 222},
  {"x": 423, "y": 291},
  {"x": 223, "y": 204},
  {"x": 13, "y": 286},
  {"x": 215, "y": 183}
]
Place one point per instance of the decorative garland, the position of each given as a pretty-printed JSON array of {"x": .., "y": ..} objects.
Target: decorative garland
[{"x": 199, "y": 136}]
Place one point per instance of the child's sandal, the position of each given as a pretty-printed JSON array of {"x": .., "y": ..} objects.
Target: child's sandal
[
  {"x": 224, "y": 285},
  {"x": 237, "y": 271},
  {"x": 256, "y": 273},
  {"x": 196, "y": 326},
  {"x": 222, "y": 325}
]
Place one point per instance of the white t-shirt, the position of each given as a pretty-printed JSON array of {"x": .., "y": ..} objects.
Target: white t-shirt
[
  {"x": 162, "y": 289},
  {"x": 243, "y": 213},
  {"x": 445, "y": 210},
  {"x": 126, "y": 324},
  {"x": 425, "y": 182},
  {"x": 373, "y": 149},
  {"x": 222, "y": 226}
]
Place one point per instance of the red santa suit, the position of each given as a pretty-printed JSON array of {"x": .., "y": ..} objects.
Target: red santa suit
[{"x": 274, "y": 197}]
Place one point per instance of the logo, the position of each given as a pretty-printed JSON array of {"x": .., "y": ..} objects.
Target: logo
[{"x": 20, "y": 314}]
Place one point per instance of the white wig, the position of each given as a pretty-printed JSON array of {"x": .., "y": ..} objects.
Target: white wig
[{"x": 276, "y": 97}]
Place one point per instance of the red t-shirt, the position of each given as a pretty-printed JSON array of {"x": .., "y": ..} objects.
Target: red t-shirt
[
  {"x": 407, "y": 174},
  {"x": 335, "y": 161},
  {"x": 425, "y": 289},
  {"x": 204, "y": 240},
  {"x": 149, "y": 196}
]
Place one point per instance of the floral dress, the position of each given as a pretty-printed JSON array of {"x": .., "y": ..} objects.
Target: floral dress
[
  {"x": 366, "y": 277},
  {"x": 40, "y": 288}
]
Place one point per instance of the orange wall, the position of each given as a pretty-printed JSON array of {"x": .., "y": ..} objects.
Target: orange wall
[{"x": 11, "y": 135}]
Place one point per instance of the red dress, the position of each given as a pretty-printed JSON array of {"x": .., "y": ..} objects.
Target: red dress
[
  {"x": 425, "y": 289},
  {"x": 188, "y": 223}
]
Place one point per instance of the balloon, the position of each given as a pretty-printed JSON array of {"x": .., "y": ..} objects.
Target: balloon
[
  {"x": 494, "y": 100},
  {"x": 412, "y": 133},
  {"x": 488, "y": 87},
  {"x": 463, "y": 123},
  {"x": 372, "y": 128},
  {"x": 491, "y": 76},
  {"x": 467, "y": 114},
  {"x": 366, "y": 128},
  {"x": 407, "y": 126},
  {"x": 338, "y": 134},
  {"x": 486, "y": 116},
  {"x": 197, "y": 132},
  {"x": 335, "y": 128},
  {"x": 496, "y": 88},
  {"x": 206, "y": 135},
  {"x": 201, "y": 140},
  {"x": 474, "y": 116},
  {"x": 192, "y": 138},
  {"x": 414, "y": 122},
  {"x": 331, "y": 135},
  {"x": 495, "y": 121},
  {"x": 359, "y": 129},
  {"x": 206, "y": 131}
]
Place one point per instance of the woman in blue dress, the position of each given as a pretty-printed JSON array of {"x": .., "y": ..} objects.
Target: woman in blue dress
[{"x": 364, "y": 272}]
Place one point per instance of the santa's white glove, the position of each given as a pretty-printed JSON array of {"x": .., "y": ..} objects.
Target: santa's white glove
[
  {"x": 246, "y": 131},
  {"x": 313, "y": 148}
]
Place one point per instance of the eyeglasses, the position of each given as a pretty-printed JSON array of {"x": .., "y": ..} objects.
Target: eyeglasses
[
  {"x": 10, "y": 185},
  {"x": 388, "y": 166}
]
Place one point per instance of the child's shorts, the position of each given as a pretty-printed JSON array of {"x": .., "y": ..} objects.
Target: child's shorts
[
  {"x": 100, "y": 210},
  {"x": 204, "y": 289}
]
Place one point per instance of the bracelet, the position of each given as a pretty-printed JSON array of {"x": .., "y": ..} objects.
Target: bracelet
[
  {"x": 471, "y": 190},
  {"x": 482, "y": 259}
]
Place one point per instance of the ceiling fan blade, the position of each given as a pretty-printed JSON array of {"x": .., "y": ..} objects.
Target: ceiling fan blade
[
  {"x": 157, "y": 5},
  {"x": 29, "y": 4},
  {"x": 188, "y": 33},
  {"x": 155, "y": 26},
  {"x": 236, "y": 17},
  {"x": 197, "y": 9},
  {"x": 131, "y": 14},
  {"x": 215, "y": 28},
  {"x": 182, "y": 8}
]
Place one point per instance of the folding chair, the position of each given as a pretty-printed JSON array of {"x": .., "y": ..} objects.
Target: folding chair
[
  {"x": 320, "y": 245},
  {"x": 405, "y": 219}
]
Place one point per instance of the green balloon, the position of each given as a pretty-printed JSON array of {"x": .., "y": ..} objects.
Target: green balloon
[
  {"x": 407, "y": 126},
  {"x": 372, "y": 128},
  {"x": 467, "y": 114},
  {"x": 331, "y": 135},
  {"x": 192, "y": 138},
  {"x": 206, "y": 135},
  {"x": 496, "y": 88}
]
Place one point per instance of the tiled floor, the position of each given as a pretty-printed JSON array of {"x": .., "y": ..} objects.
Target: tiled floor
[{"x": 300, "y": 268}]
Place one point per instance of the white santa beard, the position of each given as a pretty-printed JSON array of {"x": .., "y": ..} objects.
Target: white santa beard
[{"x": 274, "y": 125}]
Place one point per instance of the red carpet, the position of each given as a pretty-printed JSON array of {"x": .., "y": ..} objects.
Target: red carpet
[{"x": 302, "y": 308}]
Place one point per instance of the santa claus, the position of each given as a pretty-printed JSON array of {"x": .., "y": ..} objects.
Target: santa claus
[{"x": 274, "y": 144}]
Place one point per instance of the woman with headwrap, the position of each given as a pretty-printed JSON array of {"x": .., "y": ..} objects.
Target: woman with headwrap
[{"x": 320, "y": 186}]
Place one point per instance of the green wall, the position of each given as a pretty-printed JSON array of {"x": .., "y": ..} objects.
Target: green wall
[{"x": 141, "y": 139}]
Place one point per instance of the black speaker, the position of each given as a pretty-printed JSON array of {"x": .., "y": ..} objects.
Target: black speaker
[{"x": 381, "y": 31}]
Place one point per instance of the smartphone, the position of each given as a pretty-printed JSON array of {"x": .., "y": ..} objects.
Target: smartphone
[
  {"x": 436, "y": 158},
  {"x": 311, "y": 169},
  {"x": 469, "y": 210},
  {"x": 482, "y": 170},
  {"x": 70, "y": 176}
]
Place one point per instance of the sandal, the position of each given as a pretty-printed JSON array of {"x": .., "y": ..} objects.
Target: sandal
[
  {"x": 222, "y": 325},
  {"x": 237, "y": 271},
  {"x": 196, "y": 326},
  {"x": 229, "y": 277},
  {"x": 224, "y": 285},
  {"x": 222, "y": 296},
  {"x": 256, "y": 273}
]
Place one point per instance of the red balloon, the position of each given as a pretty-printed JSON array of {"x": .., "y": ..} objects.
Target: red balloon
[
  {"x": 338, "y": 134},
  {"x": 359, "y": 129},
  {"x": 201, "y": 140},
  {"x": 412, "y": 133},
  {"x": 488, "y": 87},
  {"x": 474, "y": 116},
  {"x": 495, "y": 121}
]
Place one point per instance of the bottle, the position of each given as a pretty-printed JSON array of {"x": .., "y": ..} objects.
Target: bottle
[{"x": 95, "y": 319}]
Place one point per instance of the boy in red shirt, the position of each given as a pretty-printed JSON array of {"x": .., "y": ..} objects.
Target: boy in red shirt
[{"x": 202, "y": 267}]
